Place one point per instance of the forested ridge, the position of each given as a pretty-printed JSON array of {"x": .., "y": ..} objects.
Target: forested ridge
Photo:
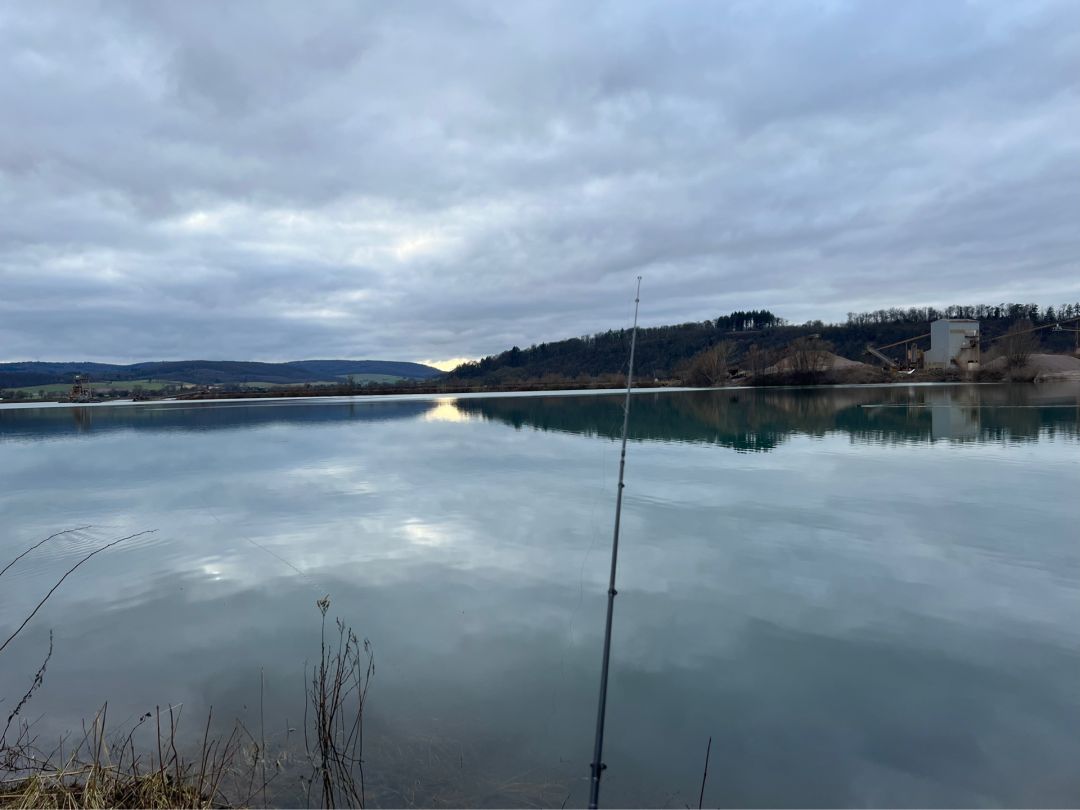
[{"x": 662, "y": 350}]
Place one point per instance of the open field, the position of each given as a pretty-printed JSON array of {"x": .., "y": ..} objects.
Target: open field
[
  {"x": 157, "y": 386},
  {"x": 376, "y": 378},
  {"x": 56, "y": 389},
  {"x": 358, "y": 379}
]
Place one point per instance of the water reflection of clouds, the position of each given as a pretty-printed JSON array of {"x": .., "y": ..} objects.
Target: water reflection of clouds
[
  {"x": 329, "y": 498},
  {"x": 343, "y": 478},
  {"x": 425, "y": 534}
]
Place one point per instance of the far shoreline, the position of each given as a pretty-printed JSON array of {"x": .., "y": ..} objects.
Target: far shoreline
[{"x": 309, "y": 397}]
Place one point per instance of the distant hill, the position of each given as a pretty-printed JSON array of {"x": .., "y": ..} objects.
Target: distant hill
[
  {"x": 341, "y": 368},
  {"x": 212, "y": 372}
]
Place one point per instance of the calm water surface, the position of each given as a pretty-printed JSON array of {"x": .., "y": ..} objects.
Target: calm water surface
[{"x": 866, "y": 596}]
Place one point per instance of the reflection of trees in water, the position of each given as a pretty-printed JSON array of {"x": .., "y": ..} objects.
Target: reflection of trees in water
[
  {"x": 742, "y": 419},
  {"x": 760, "y": 419},
  {"x": 750, "y": 419},
  {"x": 692, "y": 417}
]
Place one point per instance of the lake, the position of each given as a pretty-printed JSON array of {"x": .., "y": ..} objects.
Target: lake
[{"x": 864, "y": 596}]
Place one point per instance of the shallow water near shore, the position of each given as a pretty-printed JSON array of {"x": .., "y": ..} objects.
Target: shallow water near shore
[{"x": 865, "y": 596}]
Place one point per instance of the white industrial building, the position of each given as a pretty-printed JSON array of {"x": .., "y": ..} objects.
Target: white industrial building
[{"x": 954, "y": 343}]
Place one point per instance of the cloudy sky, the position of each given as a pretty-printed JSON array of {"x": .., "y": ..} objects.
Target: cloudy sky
[{"x": 426, "y": 181}]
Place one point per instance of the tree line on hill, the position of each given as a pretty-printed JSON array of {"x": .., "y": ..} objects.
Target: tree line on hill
[
  {"x": 750, "y": 338},
  {"x": 979, "y": 312}
]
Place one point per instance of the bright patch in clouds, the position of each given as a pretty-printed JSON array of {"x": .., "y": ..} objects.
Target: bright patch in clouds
[{"x": 447, "y": 365}]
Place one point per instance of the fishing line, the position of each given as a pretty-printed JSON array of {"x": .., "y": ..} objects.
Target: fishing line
[
  {"x": 319, "y": 586},
  {"x": 594, "y": 531},
  {"x": 605, "y": 456}
]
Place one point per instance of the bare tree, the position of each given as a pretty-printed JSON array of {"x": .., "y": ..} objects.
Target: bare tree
[
  {"x": 710, "y": 367},
  {"x": 758, "y": 360},
  {"x": 1018, "y": 344},
  {"x": 809, "y": 356}
]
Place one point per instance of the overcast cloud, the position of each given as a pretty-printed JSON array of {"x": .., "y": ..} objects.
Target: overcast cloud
[{"x": 422, "y": 181}]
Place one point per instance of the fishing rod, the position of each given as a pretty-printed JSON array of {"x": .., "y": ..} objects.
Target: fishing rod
[{"x": 598, "y": 749}]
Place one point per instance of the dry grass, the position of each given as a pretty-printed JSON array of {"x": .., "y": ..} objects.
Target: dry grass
[
  {"x": 147, "y": 766},
  {"x": 95, "y": 773},
  {"x": 100, "y": 788}
]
